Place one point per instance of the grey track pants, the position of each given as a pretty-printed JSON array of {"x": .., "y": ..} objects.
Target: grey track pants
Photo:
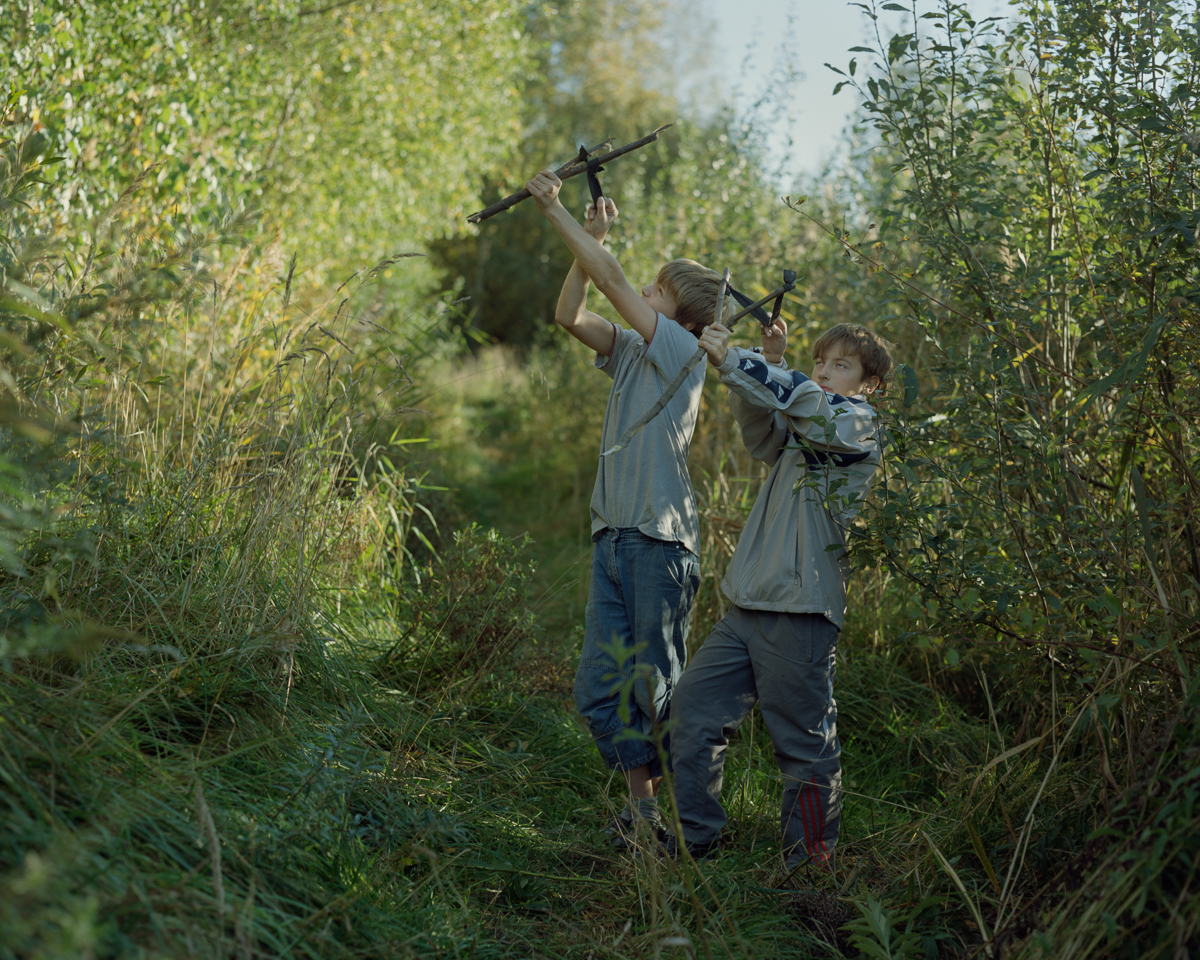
[{"x": 785, "y": 661}]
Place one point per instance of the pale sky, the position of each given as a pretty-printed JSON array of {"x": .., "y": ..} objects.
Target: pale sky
[{"x": 756, "y": 38}]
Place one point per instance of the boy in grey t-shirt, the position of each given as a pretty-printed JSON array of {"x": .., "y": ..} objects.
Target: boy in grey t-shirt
[{"x": 645, "y": 570}]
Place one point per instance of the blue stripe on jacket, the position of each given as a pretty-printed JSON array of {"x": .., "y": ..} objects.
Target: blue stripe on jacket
[
  {"x": 816, "y": 459},
  {"x": 758, "y": 368}
]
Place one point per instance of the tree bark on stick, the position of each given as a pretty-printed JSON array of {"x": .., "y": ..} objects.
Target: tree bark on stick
[{"x": 572, "y": 169}]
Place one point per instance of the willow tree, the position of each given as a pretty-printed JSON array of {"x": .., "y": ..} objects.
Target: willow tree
[{"x": 355, "y": 129}]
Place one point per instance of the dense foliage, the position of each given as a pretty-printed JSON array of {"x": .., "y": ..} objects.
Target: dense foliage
[
  {"x": 1042, "y": 495},
  {"x": 360, "y": 128},
  {"x": 278, "y": 676}
]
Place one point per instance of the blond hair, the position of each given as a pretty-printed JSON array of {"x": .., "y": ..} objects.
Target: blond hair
[
  {"x": 859, "y": 342},
  {"x": 695, "y": 289}
]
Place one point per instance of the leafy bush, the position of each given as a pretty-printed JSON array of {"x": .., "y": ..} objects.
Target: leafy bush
[{"x": 1039, "y": 506}]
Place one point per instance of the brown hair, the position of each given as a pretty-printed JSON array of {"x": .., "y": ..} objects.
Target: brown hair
[
  {"x": 859, "y": 342},
  {"x": 694, "y": 288}
]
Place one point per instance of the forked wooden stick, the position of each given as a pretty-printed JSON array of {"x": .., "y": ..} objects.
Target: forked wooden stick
[
  {"x": 571, "y": 169},
  {"x": 677, "y": 381}
]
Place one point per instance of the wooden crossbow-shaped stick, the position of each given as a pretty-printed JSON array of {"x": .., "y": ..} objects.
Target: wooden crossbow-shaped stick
[{"x": 573, "y": 168}]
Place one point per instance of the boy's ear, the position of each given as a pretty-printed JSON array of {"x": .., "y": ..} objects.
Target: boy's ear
[{"x": 871, "y": 384}]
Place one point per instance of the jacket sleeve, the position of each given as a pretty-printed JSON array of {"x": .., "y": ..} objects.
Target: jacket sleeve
[
  {"x": 764, "y": 432},
  {"x": 808, "y": 412}
]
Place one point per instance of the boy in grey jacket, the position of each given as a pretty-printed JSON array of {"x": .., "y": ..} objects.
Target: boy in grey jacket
[
  {"x": 645, "y": 526},
  {"x": 787, "y": 583}
]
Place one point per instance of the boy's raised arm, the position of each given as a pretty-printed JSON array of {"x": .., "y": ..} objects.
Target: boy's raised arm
[
  {"x": 757, "y": 379},
  {"x": 589, "y": 328},
  {"x": 597, "y": 262},
  {"x": 764, "y": 432}
]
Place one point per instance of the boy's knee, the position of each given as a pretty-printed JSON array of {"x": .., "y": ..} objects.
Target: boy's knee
[{"x": 693, "y": 722}]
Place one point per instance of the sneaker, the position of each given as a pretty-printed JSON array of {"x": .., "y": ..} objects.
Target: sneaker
[
  {"x": 622, "y": 829},
  {"x": 619, "y": 827},
  {"x": 697, "y": 851}
]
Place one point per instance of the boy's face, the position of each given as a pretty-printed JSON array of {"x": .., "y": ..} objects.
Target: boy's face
[
  {"x": 659, "y": 300},
  {"x": 841, "y": 372}
]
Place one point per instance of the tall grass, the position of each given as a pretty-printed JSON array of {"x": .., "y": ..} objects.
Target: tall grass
[{"x": 211, "y": 507}]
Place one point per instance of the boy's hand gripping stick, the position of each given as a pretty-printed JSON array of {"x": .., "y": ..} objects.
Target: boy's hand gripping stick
[{"x": 789, "y": 284}]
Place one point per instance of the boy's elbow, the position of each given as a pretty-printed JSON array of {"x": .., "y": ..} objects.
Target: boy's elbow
[
  {"x": 609, "y": 279},
  {"x": 567, "y": 318}
]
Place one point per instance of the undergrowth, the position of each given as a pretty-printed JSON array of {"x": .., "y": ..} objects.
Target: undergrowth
[{"x": 267, "y": 691}]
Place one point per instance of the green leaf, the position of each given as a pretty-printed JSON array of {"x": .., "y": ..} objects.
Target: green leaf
[
  {"x": 1130, "y": 371},
  {"x": 897, "y": 45},
  {"x": 26, "y": 309},
  {"x": 912, "y": 388},
  {"x": 1143, "y": 504}
]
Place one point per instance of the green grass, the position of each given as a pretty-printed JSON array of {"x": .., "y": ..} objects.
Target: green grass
[{"x": 356, "y": 819}]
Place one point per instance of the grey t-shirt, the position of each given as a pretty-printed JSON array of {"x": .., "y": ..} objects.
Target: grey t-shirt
[{"x": 646, "y": 485}]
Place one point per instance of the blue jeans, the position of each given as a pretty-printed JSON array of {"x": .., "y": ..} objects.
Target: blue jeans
[{"x": 640, "y": 595}]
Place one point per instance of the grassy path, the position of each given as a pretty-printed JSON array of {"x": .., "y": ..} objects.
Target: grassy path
[{"x": 208, "y": 812}]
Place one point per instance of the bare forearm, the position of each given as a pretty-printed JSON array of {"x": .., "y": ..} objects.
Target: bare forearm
[
  {"x": 590, "y": 254},
  {"x": 572, "y": 313},
  {"x": 572, "y": 299}
]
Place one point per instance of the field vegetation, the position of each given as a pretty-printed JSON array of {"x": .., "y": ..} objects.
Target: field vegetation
[{"x": 294, "y": 479}]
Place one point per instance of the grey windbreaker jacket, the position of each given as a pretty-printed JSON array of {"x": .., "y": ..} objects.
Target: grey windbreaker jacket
[{"x": 823, "y": 449}]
